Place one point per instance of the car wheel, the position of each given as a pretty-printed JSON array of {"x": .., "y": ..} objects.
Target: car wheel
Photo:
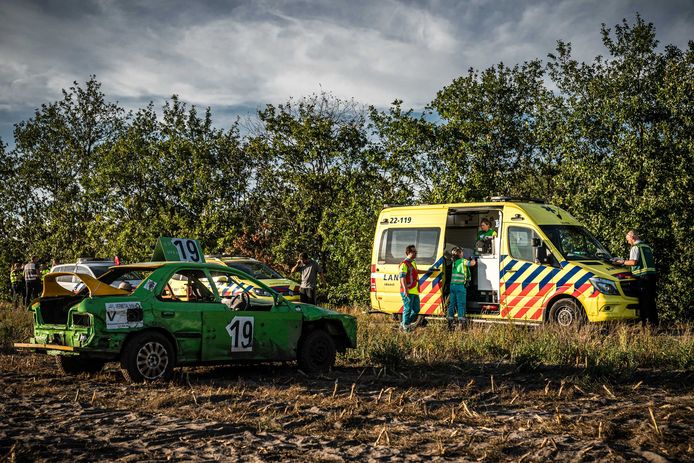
[
  {"x": 316, "y": 352},
  {"x": 567, "y": 313},
  {"x": 74, "y": 365},
  {"x": 148, "y": 356}
]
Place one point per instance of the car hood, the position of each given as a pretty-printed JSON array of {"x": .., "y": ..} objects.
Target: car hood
[
  {"x": 313, "y": 312},
  {"x": 603, "y": 269},
  {"x": 282, "y": 284}
]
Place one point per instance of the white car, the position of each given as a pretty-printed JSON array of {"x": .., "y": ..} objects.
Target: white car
[{"x": 91, "y": 267}]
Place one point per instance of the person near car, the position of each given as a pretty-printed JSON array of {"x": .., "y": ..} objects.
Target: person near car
[
  {"x": 460, "y": 277},
  {"x": 643, "y": 269},
  {"x": 310, "y": 270},
  {"x": 31, "y": 280},
  {"x": 486, "y": 232},
  {"x": 17, "y": 282},
  {"x": 46, "y": 269},
  {"x": 409, "y": 288}
]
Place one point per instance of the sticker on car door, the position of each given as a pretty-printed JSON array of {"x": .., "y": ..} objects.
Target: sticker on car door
[{"x": 241, "y": 330}]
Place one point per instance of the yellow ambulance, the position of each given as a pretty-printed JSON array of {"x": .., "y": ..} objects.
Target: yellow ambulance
[{"x": 542, "y": 265}]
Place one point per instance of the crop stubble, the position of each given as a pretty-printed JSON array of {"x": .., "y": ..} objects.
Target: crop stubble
[{"x": 270, "y": 413}]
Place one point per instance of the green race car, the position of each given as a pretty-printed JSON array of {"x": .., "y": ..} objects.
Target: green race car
[{"x": 150, "y": 329}]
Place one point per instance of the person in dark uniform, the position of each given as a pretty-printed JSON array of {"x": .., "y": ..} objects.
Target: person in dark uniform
[
  {"x": 32, "y": 284},
  {"x": 643, "y": 268}
]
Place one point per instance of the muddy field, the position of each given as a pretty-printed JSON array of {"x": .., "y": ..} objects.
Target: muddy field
[{"x": 275, "y": 413}]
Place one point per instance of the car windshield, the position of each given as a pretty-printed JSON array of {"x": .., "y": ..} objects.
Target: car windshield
[
  {"x": 575, "y": 242},
  {"x": 255, "y": 269}
]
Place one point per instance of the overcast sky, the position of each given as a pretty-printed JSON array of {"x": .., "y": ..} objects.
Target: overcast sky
[{"x": 238, "y": 55}]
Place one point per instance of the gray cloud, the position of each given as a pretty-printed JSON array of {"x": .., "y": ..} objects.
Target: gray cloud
[{"x": 246, "y": 53}]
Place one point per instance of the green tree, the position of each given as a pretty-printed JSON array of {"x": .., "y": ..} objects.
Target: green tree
[
  {"x": 319, "y": 187},
  {"x": 488, "y": 139},
  {"x": 56, "y": 153},
  {"x": 178, "y": 176}
]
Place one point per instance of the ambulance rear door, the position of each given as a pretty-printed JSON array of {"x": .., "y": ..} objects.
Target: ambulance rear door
[{"x": 396, "y": 230}]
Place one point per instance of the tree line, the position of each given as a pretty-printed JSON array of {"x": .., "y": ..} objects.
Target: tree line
[{"x": 610, "y": 140}]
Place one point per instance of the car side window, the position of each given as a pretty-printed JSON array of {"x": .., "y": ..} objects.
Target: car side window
[
  {"x": 188, "y": 286},
  {"x": 520, "y": 243}
]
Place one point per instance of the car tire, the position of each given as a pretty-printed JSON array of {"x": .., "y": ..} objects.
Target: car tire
[
  {"x": 316, "y": 352},
  {"x": 148, "y": 357},
  {"x": 74, "y": 365},
  {"x": 567, "y": 313}
]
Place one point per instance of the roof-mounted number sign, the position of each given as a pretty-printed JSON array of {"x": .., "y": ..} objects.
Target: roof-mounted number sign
[{"x": 178, "y": 249}]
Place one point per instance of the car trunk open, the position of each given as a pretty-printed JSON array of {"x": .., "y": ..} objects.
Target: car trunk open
[{"x": 54, "y": 310}]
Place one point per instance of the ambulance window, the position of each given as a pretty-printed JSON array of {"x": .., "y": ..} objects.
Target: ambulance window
[
  {"x": 395, "y": 240},
  {"x": 520, "y": 243}
]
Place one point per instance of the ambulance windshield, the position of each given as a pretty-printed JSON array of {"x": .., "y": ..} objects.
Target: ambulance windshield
[{"x": 575, "y": 242}]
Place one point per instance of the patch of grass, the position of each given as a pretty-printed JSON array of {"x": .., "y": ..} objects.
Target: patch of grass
[
  {"x": 596, "y": 350},
  {"x": 15, "y": 326}
]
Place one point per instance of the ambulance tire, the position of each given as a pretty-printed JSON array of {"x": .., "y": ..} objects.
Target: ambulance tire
[
  {"x": 74, "y": 365},
  {"x": 316, "y": 352},
  {"x": 147, "y": 357},
  {"x": 567, "y": 313}
]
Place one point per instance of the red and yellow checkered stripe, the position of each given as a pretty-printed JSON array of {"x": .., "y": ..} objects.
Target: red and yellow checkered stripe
[{"x": 525, "y": 287}]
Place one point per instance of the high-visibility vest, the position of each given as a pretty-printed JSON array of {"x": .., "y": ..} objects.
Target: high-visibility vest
[
  {"x": 45, "y": 272},
  {"x": 481, "y": 234},
  {"x": 460, "y": 273},
  {"x": 15, "y": 276},
  {"x": 646, "y": 264},
  {"x": 410, "y": 282}
]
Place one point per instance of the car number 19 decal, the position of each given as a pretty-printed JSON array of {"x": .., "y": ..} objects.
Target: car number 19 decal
[
  {"x": 240, "y": 331},
  {"x": 187, "y": 249}
]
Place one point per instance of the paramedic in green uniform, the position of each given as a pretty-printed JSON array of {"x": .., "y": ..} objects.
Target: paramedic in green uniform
[
  {"x": 643, "y": 268},
  {"x": 460, "y": 276},
  {"x": 486, "y": 232}
]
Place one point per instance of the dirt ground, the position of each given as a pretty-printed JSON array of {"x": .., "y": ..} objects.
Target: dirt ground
[{"x": 275, "y": 413}]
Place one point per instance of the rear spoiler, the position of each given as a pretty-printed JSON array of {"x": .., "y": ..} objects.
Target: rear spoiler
[{"x": 51, "y": 288}]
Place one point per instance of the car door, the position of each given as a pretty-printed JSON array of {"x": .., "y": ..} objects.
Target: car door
[
  {"x": 181, "y": 312},
  {"x": 255, "y": 332},
  {"x": 523, "y": 280}
]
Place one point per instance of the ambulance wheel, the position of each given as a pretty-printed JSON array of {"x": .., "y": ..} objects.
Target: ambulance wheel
[
  {"x": 567, "y": 313},
  {"x": 148, "y": 356},
  {"x": 74, "y": 365},
  {"x": 316, "y": 352}
]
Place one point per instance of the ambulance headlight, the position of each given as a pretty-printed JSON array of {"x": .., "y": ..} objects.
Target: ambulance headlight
[
  {"x": 604, "y": 286},
  {"x": 261, "y": 292}
]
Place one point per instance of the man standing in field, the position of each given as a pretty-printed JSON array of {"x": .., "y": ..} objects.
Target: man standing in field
[
  {"x": 409, "y": 288},
  {"x": 643, "y": 268},
  {"x": 31, "y": 281},
  {"x": 309, "y": 275}
]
